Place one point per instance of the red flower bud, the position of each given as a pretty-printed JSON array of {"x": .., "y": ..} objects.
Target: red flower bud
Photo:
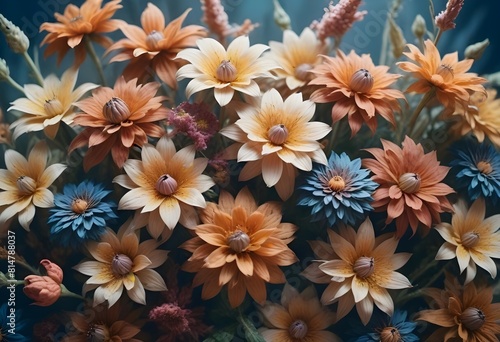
[
  {"x": 42, "y": 289},
  {"x": 53, "y": 270}
]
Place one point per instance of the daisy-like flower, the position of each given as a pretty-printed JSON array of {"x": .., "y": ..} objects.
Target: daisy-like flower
[
  {"x": 44, "y": 107},
  {"x": 80, "y": 213},
  {"x": 121, "y": 261},
  {"x": 411, "y": 188},
  {"x": 225, "y": 71},
  {"x": 448, "y": 77},
  {"x": 89, "y": 21},
  {"x": 154, "y": 46},
  {"x": 477, "y": 169},
  {"x": 117, "y": 118},
  {"x": 166, "y": 186},
  {"x": 338, "y": 191},
  {"x": 297, "y": 55},
  {"x": 359, "y": 89},
  {"x": 24, "y": 184},
  {"x": 395, "y": 329},
  {"x": 239, "y": 245},
  {"x": 300, "y": 317},
  {"x": 275, "y": 138},
  {"x": 359, "y": 271},
  {"x": 463, "y": 313},
  {"x": 471, "y": 238}
]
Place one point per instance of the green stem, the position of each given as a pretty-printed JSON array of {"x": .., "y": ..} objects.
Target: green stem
[
  {"x": 91, "y": 51},
  {"x": 14, "y": 84},
  {"x": 67, "y": 293},
  {"x": 15, "y": 281},
  {"x": 423, "y": 102},
  {"x": 33, "y": 68},
  {"x": 438, "y": 36}
]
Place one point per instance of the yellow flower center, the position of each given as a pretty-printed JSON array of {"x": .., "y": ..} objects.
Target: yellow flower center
[
  {"x": 26, "y": 185},
  {"x": 79, "y": 205},
  {"x": 226, "y": 72},
  {"x": 238, "y": 241},
  {"x": 152, "y": 40},
  {"x": 446, "y": 72},
  {"x": 301, "y": 72},
  {"x": 53, "y": 107},
  {"x": 116, "y": 110},
  {"x": 166, "y": 185},
  {"x": 121, "y": 264},
  {"x": 364, "y": 267},
  {"x": 409, "y": 182},
  {"x": 470, "y": 239},
  {"x": 336, "y": 183},
  {"x": 472, "y": 318},
  {"x": 298, "y": 329},
  {"x": 277, "y": 134},
  {"x": 484, "y": 167},
  {"x": 98, "y": 332},
  {"x": 390, "y": 334},
  {"x": 361, "y": 81}
]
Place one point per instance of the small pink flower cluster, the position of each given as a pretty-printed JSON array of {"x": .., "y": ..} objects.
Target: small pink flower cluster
[{"x": 445, "y": 20}]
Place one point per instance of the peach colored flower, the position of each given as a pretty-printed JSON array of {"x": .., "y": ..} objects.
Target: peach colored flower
[
  {"x": 239, "y": 245},
  {"x": 45, "y": 107},
  {"x": 411, "y": 188},
  {"x": 121, "y": 261},
  {"x": 275, "y": 138},
  {"x": 89, "y": 21},
  {"x": 448, "y": 77},
  {"x": 117, "y": 118},
  {"x": 225, "y": 71},
  {"x": 42, "y": 289},
  {"x": 359, "y": 270},
  {"x": 166, "y": 186},
  {"x": 24, "y": 184},
  {"x": 53, "y": 270},
  {"x": 153, "y": 47},
  {"x": 359, "y": 89}
]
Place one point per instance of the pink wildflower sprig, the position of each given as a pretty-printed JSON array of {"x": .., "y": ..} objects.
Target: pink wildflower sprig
[{"x": 446, "y": 19}]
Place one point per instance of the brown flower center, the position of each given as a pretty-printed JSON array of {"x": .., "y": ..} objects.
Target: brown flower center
[
  {"x": 98, "y": 333},
  {"x": 121, "y": 264},
  {"x": 26, "y": 185},
  {"x": 472, "y": 318},
  {"x": 116, "y": 110},
  {"x": 409, "y": 182},
  {"x": 484, "y": 167},
  {"x": 298, "y": 329},
  {"x": 446, "y": 72},
  {"x": 152, "y": 40},
  {"x": 79, "y": 205},
  {"x": 361, "y": 81},
  {"x": 364, "y": 267},
  {"x": 470, "y": 239},
  {"x": 302, "y": 72},
  {"x": 166, "y": 185},
  {"x": 53, "y": 107},
  {"x": 390, "y": 334},
  {"x": 336, "y": 183},
  {"x": 226, "y": 72},
  {"x": 238, "y": 241},
  {"x": 277, "y": 134}
]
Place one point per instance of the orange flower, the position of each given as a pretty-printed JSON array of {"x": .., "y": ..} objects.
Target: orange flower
[
  {"x": 86, "y": 22},
  {"x": 155, "y": 46},
  {"x": 410, "y": 185},
  {"x": 359, "y": 89},
  {"x": 241, "y": 245},
  {"x": 117, "y": 118},
  {"x": 447, "y": 77}
]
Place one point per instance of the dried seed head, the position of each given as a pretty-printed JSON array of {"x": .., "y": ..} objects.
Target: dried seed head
[
  {"x": 472, "y": 318},
  {"x": 116, "y": 110},
  {"x": 238, "y": 241}
]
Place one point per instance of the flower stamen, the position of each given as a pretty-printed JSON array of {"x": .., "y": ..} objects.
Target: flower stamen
[
  {"x": 390, "y": 334},
  {"x": 166, "y": 185},
  {"x": 364, "y": 267},
  {"x": 409, "y": 182},
  {"x": 278, "y": 134},
  {"x": 484, "y": 167},
  {"x": 116, "y": 110},
  {"x": 298, "y": 329},
  {"x": 26, "y": 185},
  {"x": 302, "y": 72},
  {"x": 79, "y": 205},
  {"x": 152, "y": 40},
  {"x": 226, "y": 71},
  {"x": 337, "y": 183},
  {"x": 361, "y": 81},
  {"x": 238, "y": 241},
  {"x": 53, "y": 107},
  {"x": 121, "y": 265},
  {"x": 472, "y": 318}
]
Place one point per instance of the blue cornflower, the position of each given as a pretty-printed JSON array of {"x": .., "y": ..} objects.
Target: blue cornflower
[
  {"x": 338, "y": 191},
  {"x": 397, "y": 329},
  {"x": 477, "y": 169},
  {"x": 12, "y": 325},
  {"x": 80, "y": 213}
]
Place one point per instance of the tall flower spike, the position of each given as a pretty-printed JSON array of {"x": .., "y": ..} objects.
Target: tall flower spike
[
  {"x": 16, "y": 39},
  {"x": 446, "y": 19},
  {"x": 216, "y": 18}
]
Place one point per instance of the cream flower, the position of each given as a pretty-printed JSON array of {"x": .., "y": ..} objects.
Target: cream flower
[
  {"x": 44, "y": 107},
  {"x": 225, "y": 71},
  {"x": 25, "y": 184},
  {"x": 277, "y": 137}
]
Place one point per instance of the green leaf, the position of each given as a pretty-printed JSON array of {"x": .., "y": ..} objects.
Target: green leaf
[
  {"x": 224, "y": 335},
  {"x": 251, "y": 333}
]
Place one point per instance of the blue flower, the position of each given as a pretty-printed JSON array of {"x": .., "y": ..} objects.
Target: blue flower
[
  {"x": 477, "y": 169},
  {"x": 339, "y": 191},
  {"x": 80, "y": 213},
  {"x": 396, "y": 327},
  {"x": 12, "y": 325}
]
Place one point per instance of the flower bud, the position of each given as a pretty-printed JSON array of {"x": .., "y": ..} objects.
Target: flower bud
[
  {"x": 121, "y": 264},
  {"x": 116, "y": 110},
  {"x": 16, "y": 39},
  {"x": 4, "y": 69},
  {"x": 472, "y": 318},
  {"x": 418, "y": 28},
  {"x": 42, "y": 289},
  {"x": 166, "y": 185},
  {"x": 278, "y": 134},
  {"x": 26, "y": 185},
  {"x": 390, "y": 334},
  {"x": 226, "y": 71},
  {"x": 298, "y": 329},
  {"x": 361, "y": 81},
  {"x": 152, "y": 40},
  {"x": 469, "y": 239},
  {"x": 238, "y": 241},
  {"x": 409, "y": 182},
  {"x": 398, "y": 41},
  {"x": 475, "y": 51},
  {"x": 364, "y": 267},
  {"x": 281, "y": 18},
  {"x": 53, "y": 270},
  {"x": 53, "y": 107}
]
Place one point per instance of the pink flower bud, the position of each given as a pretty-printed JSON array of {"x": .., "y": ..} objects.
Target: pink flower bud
[
  {"x": 42, "y": 289},
  {"x": 53, "y": 270}
]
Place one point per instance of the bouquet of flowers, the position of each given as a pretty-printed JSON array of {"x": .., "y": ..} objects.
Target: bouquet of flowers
[{"x": 219, "y": 189}]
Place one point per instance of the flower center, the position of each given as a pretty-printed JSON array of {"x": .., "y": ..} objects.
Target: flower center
[
  {"x": 79, "y": 205},
  {"x": 121, "y": 264},
  {"x": 53, "y": 107},
  {"x": 153, "y": 39},
  {"x": 409, "y": 182},
  {"x": 298, "y": 329},
  {"x": 470, "y": 239},
  {"x": 301, "y": 72},
  {"x": 277, "y": 134},
  {"x": 336, "y": 183},
  {"x": 390, "y": 334},
  {"x": 446, "y": 72},
  {"x": 75, "y": 19},
  {"x": 472, "y": 318},
  {"x": 26, "y": 185},
  {"x": 484, "y": 167},
  {"x": 116, "y": 110},
  {"x": 98, "y": 333},
  {"x": 166, "y": 185},
  {"x": 364, "y": 267},
  {"x": 226, "y": 72},
  {"x": 238, "y": 241},
  {"x": 361, "y": 81}
]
